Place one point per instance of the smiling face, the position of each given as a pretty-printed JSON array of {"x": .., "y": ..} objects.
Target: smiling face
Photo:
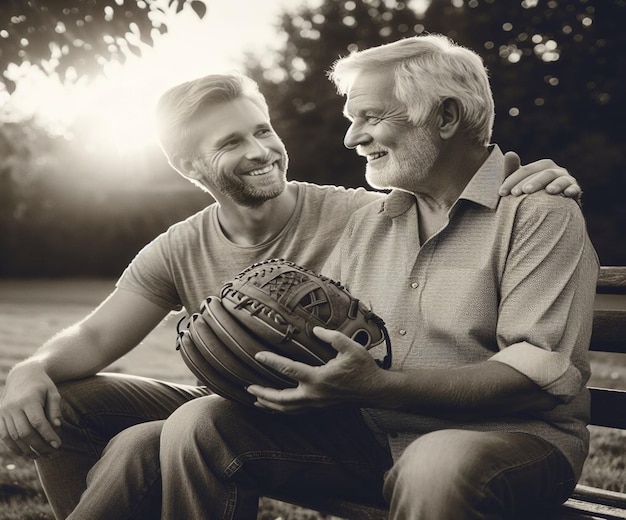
[
  {"x": 399, "y": 154},
  {"x": 239, "y": 155}
]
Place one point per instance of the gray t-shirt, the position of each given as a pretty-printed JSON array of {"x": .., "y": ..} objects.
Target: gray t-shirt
[{"x": 193, "y": 258}]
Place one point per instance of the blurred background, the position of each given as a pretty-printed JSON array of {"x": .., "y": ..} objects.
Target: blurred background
[{"x": 84, "y": 185}]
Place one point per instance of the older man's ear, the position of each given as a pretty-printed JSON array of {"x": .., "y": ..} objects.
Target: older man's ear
[{"x": 449, "y": 118}]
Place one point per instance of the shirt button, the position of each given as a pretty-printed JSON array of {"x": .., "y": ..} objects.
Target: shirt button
[
  {"x": 402, "y": 332},
  {"x": 415, "y": 285}
]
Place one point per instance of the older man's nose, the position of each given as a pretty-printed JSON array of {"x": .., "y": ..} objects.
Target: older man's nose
[{"x": 355, "y": 135}]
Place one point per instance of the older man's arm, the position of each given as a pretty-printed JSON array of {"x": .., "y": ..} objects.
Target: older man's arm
[
  {"x": 543, "y": 331},
  {"x": 353, "y": 377}
]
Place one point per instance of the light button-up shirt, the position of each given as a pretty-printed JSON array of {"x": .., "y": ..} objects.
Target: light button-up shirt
[{"x": 509, "y": 279}]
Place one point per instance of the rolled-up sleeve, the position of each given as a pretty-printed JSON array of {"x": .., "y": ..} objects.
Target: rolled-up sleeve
[
  {"x": 552, "y": 371},
  {"x": 547, "y": 293}
]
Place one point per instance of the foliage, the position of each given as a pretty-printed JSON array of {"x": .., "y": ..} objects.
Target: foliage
[
  {"x": 79, "y": 36},
  {"x": 43, "y": 193},
  {"x": 557, "y": 71},
  {"x": 306, "y": 110},
  {"x": 86, "y": 219}
]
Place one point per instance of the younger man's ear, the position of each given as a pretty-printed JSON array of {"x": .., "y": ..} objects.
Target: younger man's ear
[
  {"x": 185, "y": 166},
  {"x": 448, "y": 118}
]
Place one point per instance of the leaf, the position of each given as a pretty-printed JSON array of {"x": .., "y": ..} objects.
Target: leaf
[
  {"x": 9, "y": 85},
  {"x": 199, "y": 8}
]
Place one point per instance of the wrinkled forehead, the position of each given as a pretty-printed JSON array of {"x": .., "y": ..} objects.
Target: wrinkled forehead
[{"x": 371, "y": 90}]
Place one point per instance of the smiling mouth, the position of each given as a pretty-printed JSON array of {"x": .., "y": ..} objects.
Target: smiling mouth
[
  {"x": 374, "y": 156},
  {"x": 261, "y": 171}
]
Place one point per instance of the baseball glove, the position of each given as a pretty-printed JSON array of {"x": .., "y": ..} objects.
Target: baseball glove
[{"x": 272, "y": 305}]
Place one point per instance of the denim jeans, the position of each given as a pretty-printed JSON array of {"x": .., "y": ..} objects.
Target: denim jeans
[
  {"x": 217, "y": 457},
  {"x": 96, "y": 409},
  {"x": 212, "y": 459},
  {"x": 472, "y": 475}
]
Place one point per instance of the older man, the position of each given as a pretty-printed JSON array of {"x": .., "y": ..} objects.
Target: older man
[
  {"x": 489, "y": 307},
  {"x": 489, "y": 301}
]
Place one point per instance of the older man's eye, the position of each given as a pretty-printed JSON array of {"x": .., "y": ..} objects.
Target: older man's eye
[
  {"x": 264, "y": 132},
  {"x": 373, "y": 120}
]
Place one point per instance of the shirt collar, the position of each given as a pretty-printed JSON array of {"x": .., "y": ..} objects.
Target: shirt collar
[
  {"x": 484, "y": 185},
  {"x": 396, "y": 203},
  {"x": 482, "y": 188}
]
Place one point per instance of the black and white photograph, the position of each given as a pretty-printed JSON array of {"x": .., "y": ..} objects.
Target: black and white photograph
[{"x": 312, "y": 260}]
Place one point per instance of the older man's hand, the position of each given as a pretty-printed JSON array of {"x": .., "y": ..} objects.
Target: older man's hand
[{"x": 352, "y": 377}]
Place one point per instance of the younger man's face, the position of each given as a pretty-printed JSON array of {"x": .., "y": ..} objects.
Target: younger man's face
[{"x": 241, "y": 155}]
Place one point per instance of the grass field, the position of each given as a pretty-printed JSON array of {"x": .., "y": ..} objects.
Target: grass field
[{"x": 31, "y": 311}]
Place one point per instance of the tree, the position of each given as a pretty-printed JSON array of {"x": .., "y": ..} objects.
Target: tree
[
  {"x": 41, "y": 196},
  {"x": 305, "y": 107},
  {"x": 557, "y": 72},
  {"x": 79, "y": 34}
]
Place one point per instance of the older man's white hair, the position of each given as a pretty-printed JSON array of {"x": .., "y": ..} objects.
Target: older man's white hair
[{"x": 427, "y": 70}]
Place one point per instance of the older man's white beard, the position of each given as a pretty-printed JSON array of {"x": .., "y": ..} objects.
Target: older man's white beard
[{"x": 409, "y": 163}]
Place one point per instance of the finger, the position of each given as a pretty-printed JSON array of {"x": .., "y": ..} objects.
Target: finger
[
  {"x": 273, "y": 398},
  {"x": 18, "y": 441},
  {"x": 265, "y": 392},
  {"x": 574, "y": 191},
  {"x": 514, "y": 182},
  {"x": 44, "y": 432},
  {"x": 8, "y": 440},
  {"x": 27, "y": 430},
  {"x": 288, "y": 367},
  {"x": 53, "y": 407},
  {"x": 512, "y": 162},
  {"x": 269, "y": 406},
  {"x": 538, "y": 181},
  {"x": 511, "y": 165},
  {"x": 561, "y": 184},
  {"x": 340, "y": 342},
  {"x": 280, "y": 408}
]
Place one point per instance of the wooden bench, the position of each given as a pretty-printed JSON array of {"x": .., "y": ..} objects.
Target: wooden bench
[{"x": 608, "y": 408}]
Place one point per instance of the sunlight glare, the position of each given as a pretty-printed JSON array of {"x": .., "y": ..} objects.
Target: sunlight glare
[{"x": 117, "y": 106}]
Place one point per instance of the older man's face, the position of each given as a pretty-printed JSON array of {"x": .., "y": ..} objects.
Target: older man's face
[{"x": 399, "y": 154}]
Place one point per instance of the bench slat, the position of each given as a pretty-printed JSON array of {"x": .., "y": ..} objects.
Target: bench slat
[
  {"x": 577, "y": 509},
  {"x": 343, "y": 509},
  {"x": 608, "y": 407},
  {"x": 609, "y": 331},
  {"x": 600, "y": 496},
  {"x": 584, "y": 504},
  {"x": 611, "y": 280}
]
